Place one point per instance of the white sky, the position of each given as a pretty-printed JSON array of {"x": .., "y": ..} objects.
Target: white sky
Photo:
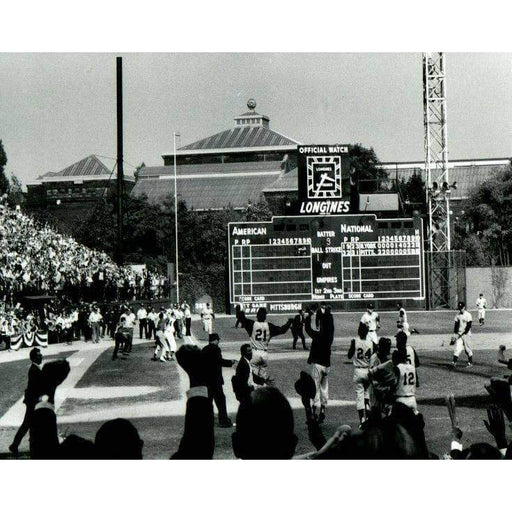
[{"x": 57, "y": 108}]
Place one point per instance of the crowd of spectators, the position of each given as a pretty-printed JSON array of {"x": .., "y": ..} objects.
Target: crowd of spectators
[
  {"x": 36, "y": 259},
  {"x": 265, "y": 426}
]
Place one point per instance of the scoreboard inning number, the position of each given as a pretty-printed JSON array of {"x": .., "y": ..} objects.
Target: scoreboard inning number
[{"x": 302, "y": 259}]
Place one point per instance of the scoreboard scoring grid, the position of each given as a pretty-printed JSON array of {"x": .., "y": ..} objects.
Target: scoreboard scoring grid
[{"x": 332, "y": 258}]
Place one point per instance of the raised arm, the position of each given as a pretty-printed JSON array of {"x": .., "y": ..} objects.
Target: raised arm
[{"x": 198, "y": 439}]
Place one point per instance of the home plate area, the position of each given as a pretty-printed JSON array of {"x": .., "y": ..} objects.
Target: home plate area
[{"x": 153, "y": 394}]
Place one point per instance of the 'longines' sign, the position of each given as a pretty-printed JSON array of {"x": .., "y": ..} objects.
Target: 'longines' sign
[{"x": 323, "y": 178}]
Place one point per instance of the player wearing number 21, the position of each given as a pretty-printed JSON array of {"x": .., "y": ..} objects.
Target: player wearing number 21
[
  {"x": 260, "y": 333},
  {"x": 360, "y": 351}
]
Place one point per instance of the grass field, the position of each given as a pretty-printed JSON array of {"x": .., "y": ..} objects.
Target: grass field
[{"x": 151, "y": 394}]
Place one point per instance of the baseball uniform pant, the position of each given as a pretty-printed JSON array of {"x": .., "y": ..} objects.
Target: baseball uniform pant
[
  {"x": 362, "y": 383},
  {"x": 171, "y": 342},
  {"x": 207, "y": 326},
  {"x": 481, "y": 314},
  {"x": 259, "y": 363},
  {"x": 461, "y": 344},
  {"x": 320, "y": 376},
  {"x": 409, "y": 401},
  {"x": 372, "y": 336},
  {"x": 95, "y": 326}
]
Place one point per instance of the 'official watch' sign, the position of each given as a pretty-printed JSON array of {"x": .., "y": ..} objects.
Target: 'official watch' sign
[{"x": 323, "y": 178}]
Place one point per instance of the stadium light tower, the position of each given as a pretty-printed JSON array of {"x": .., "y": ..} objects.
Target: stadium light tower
[
  {"x": 438, "y": 188},
  {"x": 174, "y": 135},
  {"x": 436, "y": 151}
]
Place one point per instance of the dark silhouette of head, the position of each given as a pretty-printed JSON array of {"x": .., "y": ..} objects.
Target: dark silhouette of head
[
  {"x": 213, "y": 338},
  {"x": 36, "y": 356},
  {"x": 76, "y": 448},
  {"x": 264, "y": 426},
  {"x": 481, "y": 451},
  {"x": 118, "y": 440},
  {"x": 384, "y": 347},
  {"x": 246, "y": 351},
  {"x": 401, "y": 340},
  {"x": 261, "y": 314}
]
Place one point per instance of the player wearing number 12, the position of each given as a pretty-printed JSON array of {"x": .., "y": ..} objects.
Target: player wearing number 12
[
  {"x": 260, "y": 333},
  {"x": 405, "y": 391}
]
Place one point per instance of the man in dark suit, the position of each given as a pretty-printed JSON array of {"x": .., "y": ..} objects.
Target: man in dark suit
[
  {"x": 242, "y": 381},
  {"x": 32, "y": 393},
  {"x": 297, "y": 329},
  {"x": 320, "y": 357},
  {"x": 214, "y": 363}
]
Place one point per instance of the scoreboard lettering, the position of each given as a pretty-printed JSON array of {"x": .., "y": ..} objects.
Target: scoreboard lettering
[{"x": 289, "y": 261}]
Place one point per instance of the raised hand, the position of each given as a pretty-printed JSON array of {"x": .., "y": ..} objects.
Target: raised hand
[
  {"x": 190, "y": 358},
  {"x": 496, "y": 425}
]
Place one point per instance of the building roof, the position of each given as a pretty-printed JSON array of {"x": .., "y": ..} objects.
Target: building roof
[
  {"x": 240, "y": 137},
  {"x": 88, "y": 166},
  {"x": 251, "y": 132},
  {"x": 467, "y": 173},
  {"x": 287, "y": 182},
  {"x": 208, "y": 186}
]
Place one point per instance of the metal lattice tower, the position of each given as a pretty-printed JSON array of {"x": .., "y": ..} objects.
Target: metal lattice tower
[
  {"x": 436, "y": 152},
  {"x": 440, "y": 261}
]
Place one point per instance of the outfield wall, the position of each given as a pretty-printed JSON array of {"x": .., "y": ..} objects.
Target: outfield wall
[{"x": 494, "y": 282}]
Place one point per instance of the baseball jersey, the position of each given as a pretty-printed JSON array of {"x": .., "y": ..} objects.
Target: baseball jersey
[
  {"x": 463, "y": 318},
  {"x": 410, "y": 354},
  {"x": 406, "y": 383},
  {"x": 207, "y": 313},
  {"x": 142, "y": 314},
  {"x": 260, "y": 335},
  {"x": 402, "y": 315},
  {"x": 481, "y": 303},
  {"x": 370, "y": 319},
  {"x": 363, "y": 353}
]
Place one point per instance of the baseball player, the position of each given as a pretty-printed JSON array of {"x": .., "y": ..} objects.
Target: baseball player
[
  {"x": 360, "y": 351},
  {"x": 410, "y": 353},
  {"x": 461, "y": 334},
  {"x": 371, "y": 320},
  {"x": 260, "y": 333},
  {"x": 481, "y": 305},
  {"x": 382, "y": 379},
  {"x": 402, "y": 322},
  {"x": 207, "y": 316},
  {"x": 405, "y": 390}
]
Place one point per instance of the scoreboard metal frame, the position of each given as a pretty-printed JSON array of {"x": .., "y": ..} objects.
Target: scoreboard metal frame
[{"x": 326, "y": 258}]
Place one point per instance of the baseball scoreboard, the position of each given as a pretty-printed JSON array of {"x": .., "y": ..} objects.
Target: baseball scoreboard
[{"x": 289, "y": 261}]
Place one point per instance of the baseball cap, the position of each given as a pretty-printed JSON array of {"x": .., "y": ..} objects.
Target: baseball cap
[
  {"x": 213, "y": 337},
  {"x": 370, "y": 305},
  {"x": 461, "y": 305}
]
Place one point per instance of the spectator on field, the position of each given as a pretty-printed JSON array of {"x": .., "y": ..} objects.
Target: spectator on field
[
  {"x": 214, "y": 362},
  {"x": 242, "y": 381}
]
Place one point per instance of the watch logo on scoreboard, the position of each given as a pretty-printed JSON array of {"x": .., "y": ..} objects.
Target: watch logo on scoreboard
[{"x": 324, "y": 177}]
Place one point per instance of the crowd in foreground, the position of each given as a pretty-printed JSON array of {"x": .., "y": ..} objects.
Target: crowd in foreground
[
  {"x": 392, "y": 427},
  {"x": 36, "y": 259}
]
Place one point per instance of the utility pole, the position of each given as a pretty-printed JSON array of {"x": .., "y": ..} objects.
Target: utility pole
[{"x": 119, "y": 203}]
